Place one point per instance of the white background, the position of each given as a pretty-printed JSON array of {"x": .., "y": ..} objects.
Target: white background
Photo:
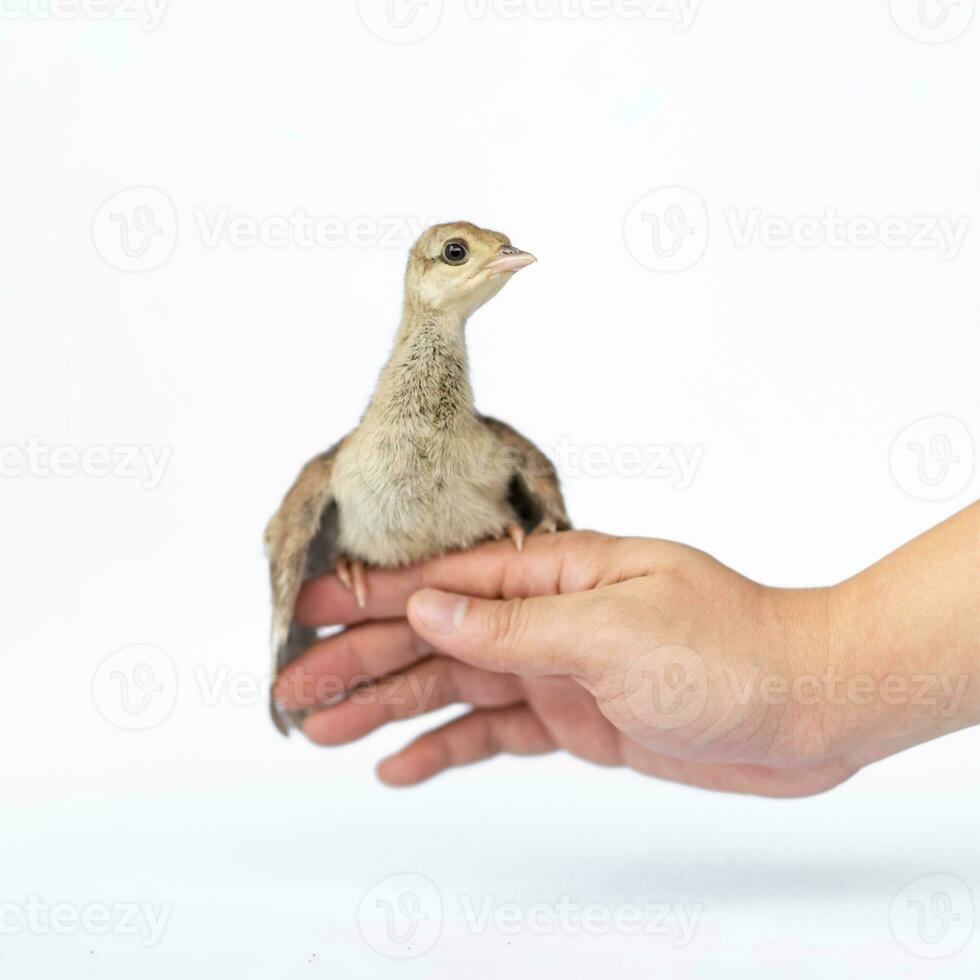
[{"x": 789, "y": 372}]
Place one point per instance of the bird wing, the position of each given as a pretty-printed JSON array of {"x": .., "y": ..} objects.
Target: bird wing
[
  {"x": 300, "y": 542},
  {"x": 535, "y": 491}
]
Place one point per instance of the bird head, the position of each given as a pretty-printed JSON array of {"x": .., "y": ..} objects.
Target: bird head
[{"x": 456, "y": 268}]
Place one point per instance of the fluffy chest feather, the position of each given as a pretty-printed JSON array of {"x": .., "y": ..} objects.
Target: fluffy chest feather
[{"x": 407, "y": 492}]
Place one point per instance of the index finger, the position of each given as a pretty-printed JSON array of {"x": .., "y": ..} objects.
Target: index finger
[{"x": 495, "y": 570}]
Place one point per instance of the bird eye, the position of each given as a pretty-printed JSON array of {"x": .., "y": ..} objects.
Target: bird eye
[{"x": 455, "y": 252}]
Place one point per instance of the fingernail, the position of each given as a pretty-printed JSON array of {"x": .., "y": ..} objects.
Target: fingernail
[{"x": 441, "y": 612}]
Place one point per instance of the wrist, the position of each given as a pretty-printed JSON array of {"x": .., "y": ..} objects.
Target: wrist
[
  {"x": 903, "y": 682},
  {"x": 806, "y": 629}
]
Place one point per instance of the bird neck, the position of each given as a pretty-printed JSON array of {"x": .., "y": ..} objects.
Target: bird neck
[{"x": 426, "y": 380}]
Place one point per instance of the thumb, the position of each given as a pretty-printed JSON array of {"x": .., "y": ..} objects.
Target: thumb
[{"x": 529, "y": 637}]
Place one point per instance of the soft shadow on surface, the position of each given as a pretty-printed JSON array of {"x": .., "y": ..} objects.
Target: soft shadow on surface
[{"x": 523, "y": 842}]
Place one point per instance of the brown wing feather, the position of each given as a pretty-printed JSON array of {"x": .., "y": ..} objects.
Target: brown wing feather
[
  {"x": 300, "y": 542},
  {"x": 535, "y": 472}
]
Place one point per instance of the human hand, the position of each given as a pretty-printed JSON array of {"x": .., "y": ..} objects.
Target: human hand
[
  {"x": 629, "y": 652},
  {"x": 615, "y": 650}
]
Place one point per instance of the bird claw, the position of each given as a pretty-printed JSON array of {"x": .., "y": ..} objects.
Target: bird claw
[
  {"x": 518, "y": 535},
  {"x": 354, "y": 576}
]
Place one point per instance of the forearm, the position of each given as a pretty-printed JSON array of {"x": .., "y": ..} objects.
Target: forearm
[{"x": 911, "y": 623}]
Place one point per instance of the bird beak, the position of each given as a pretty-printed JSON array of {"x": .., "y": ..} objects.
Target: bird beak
[{"x": 509, "y": 260}]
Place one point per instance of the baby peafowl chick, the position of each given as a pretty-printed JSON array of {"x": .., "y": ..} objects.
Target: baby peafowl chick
[{"x": 423, "y": 473}]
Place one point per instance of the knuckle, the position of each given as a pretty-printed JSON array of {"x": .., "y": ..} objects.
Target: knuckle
[
  {"x": 584, "y": 552},
  {"x": 350, "y": 648},
  {"x": 587, "y": 542}
]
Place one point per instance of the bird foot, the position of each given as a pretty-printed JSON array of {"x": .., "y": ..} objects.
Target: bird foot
[
  {"x": 516, "y": 533},
  {"x": 354, "y": 575},
  {"x": 548, "y": 526}
]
